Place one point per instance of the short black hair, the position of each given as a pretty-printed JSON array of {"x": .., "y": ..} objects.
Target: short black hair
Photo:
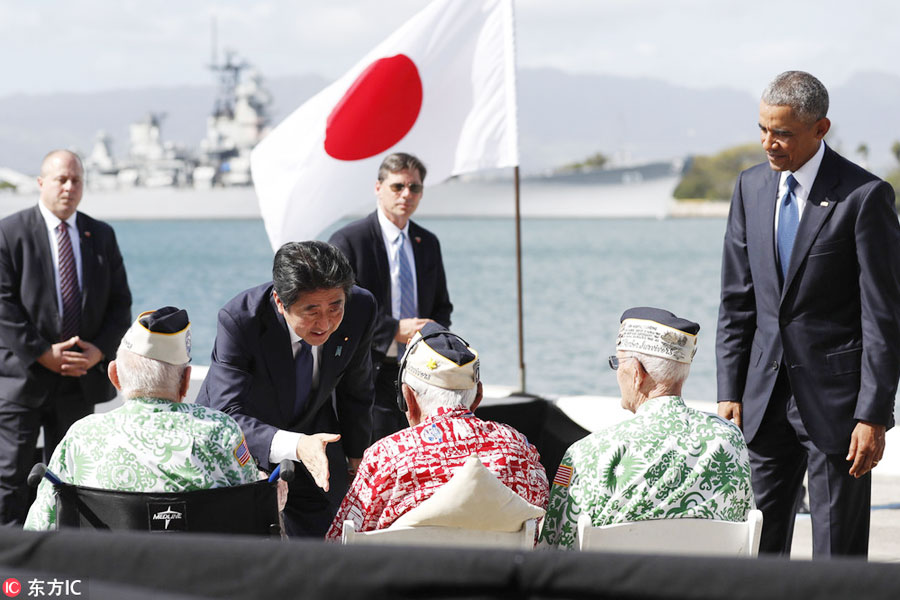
[
  {"x": 399, "y": 161},
  {"x": 302, "y": 267}
]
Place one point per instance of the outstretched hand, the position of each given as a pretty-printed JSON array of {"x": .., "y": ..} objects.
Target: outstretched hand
[{"x": 311, "y": 452}]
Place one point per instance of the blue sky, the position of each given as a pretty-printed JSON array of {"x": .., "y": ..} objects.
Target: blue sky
[{"x": 88, "y": 45}]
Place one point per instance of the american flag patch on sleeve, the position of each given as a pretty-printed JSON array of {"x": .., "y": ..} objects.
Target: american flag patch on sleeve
[
  {"x": 242, "y": 452},
  {"x": 563, "y": 476}
]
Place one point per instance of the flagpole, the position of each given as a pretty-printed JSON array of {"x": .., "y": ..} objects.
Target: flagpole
[{"x": 519, "y": 284}]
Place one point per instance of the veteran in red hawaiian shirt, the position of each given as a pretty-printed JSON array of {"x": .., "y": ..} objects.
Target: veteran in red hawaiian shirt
[{"x": 440, "y": 390}]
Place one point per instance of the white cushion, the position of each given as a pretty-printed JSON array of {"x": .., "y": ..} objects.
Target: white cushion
[{"x": 474, "y": 498}]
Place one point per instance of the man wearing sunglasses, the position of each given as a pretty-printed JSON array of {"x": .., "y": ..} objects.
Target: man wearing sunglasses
[
  {"x": 400, "y": 263},
  {"x": 667, "y": 462}
]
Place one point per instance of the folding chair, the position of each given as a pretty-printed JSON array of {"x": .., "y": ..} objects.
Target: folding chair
[
  {"x": 442, "y": 536},
  {"x": 250, "y": 509},
  {"x": 708, "y": 537}
]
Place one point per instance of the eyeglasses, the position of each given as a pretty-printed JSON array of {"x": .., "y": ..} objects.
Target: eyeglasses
[
  {"x": 414, "y": 188},
  {"x": 614, "y": 361}
]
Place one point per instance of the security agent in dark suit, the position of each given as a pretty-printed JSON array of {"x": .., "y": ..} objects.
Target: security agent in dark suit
[
  {"x": 381, "y": 248},
  {"x": 808, "y": 346},
  {"x": 64, "y": 305},
  {"x": 291, "y": 360}
]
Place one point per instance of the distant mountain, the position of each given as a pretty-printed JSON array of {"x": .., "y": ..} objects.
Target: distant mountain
[{"x": 563, "y": 117}]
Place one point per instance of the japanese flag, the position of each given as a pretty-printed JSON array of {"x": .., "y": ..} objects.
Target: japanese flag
[{"x": 441, "y": 87}]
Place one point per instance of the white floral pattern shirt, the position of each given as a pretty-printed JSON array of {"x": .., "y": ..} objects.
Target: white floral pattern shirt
[
  {"x": 147, "y": 445},
  {"x": 669, "y": 461}
]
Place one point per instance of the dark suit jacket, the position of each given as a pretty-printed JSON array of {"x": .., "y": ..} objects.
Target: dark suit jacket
[
  {"x": 29, "y": 315},
  {"x": 251, "y": 377},
  {"x": 362, "y": 243},
  {"x": 835, "y": 323}
]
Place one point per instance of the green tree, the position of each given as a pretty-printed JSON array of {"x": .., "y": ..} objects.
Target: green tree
[
  {"x": 594, "y": 161},
  {"x": 713, "y": 177}
]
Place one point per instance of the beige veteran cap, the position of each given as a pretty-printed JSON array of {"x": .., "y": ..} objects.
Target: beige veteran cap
[
  {"x": 441, "y": 358},
  {"x": 163, "y": 334},
  {"x": 657, "y": 332}
]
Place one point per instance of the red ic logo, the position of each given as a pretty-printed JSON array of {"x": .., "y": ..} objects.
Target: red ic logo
[{"x": 12, "y": 587}]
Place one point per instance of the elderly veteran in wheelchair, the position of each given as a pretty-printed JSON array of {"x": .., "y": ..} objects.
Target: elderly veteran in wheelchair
[
  {"x": 153, "y": 442},
  {"x": 669, "y": 461},
  {"x": 491, "y": 476}
]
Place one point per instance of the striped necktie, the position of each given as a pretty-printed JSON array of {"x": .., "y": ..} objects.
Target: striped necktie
[
  {"x": 788, "y": 222},
  {"x": 407, "y": 295},
  {"x": 68, "y": 284}
]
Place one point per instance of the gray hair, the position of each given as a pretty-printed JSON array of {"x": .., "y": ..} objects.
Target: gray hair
[
  {"x": 430, "y": 397},
  {"x": 663, "y": 370},
  {"x": 142, "y": 376},
  {"x": 805, "y": 94}
]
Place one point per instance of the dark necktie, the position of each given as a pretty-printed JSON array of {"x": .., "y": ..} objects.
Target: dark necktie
[
  {"x": 788, "y": 221},
  {"x": 303, "y": 364},
  {"x": 407, "y": 295},
  {"x": 68, "y": 284}
]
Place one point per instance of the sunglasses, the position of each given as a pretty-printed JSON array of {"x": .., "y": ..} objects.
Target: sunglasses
[{"x": 414, "y": 188}]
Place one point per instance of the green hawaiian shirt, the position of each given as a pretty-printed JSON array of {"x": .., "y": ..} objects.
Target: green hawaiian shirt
[
  {"x": 147, "y": 445},
  {"x": 668, "y": 461}
]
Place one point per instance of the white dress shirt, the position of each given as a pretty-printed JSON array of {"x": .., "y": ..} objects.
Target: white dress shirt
[
  {"x": 390, "y": 233},
  {"x": 52, "y": 222},
  {"x": 805, "y": 176},
  {"x": 284, "y": 443}
]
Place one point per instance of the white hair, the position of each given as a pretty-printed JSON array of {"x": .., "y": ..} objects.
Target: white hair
[
  {"x": 431, "y": 397},
  {"x": 663, "y": 370},
  {"x": 142, "y": 376}
]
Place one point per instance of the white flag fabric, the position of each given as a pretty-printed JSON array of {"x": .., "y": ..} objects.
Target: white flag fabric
[{"x": 441, "y": 87}]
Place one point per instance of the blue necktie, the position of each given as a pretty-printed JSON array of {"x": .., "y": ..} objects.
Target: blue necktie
[
  {"x": 303, "y": 364},
  {"x": 407, "y": 295},
  {"x": 788, "y": 221}
]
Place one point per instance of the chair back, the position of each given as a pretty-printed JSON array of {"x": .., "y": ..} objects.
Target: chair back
[
  {"x": 442, "y": 536},
  {"x": 250, "y": 509},
  {"x": 709, "y": 537}
]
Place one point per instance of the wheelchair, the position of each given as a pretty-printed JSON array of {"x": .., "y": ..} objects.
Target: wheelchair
[{"x": 248, "y": 509}]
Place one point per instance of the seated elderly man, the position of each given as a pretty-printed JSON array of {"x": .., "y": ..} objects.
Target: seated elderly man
[
  {"x": 440, "y": 389},
  {"x": 668, "y": 461},
  {"x": 153, "y": 442}
]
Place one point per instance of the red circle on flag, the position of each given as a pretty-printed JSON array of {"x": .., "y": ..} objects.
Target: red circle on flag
[{"x": 377, "y": 111}]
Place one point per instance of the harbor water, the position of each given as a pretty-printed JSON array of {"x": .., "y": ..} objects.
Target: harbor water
[{"x": 579, "y": 274}]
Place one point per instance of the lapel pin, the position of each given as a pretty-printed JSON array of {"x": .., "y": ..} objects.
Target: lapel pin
[
  {"x": 418, "y": 240},
  {"x": 87, "y": 234},
  {"x": 337, "y": 351},
  {"x": 823, "y": 203}
]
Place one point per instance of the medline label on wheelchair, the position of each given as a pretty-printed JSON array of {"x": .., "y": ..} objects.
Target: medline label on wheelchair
[{"x": 169, "y": 516}]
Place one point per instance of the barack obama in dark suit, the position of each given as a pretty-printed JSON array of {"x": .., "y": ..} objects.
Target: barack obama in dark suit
[{"x": 808, "y": 345}]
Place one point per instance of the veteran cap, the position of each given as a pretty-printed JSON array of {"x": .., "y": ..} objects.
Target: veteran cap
[
  {"x": 441, "y": 358},
  {"x": 657, "y": 332},
  {"x": 163, "y": 334}
]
